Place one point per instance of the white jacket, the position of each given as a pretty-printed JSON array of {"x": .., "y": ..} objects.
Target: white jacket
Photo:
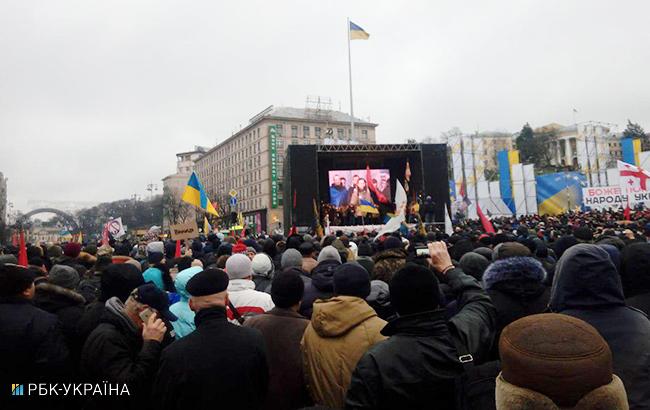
[{"x": 246, "y": 299}]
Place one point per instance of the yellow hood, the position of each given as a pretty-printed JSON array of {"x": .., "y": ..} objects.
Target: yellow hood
[{"x": 336, "y": 316}]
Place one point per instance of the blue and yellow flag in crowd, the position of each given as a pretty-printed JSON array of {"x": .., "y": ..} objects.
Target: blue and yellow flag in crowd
[
  {"x": 195, "y": 194},
  {"x": 367, "y": 206},
  {"x": 560, "y": 192},
  {"x": 357, "y": 33}
]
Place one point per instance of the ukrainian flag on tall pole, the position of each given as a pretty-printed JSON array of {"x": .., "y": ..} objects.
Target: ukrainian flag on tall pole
[
  {"x": 195, "y": 194},
  {"x": 354, "y": 33}
]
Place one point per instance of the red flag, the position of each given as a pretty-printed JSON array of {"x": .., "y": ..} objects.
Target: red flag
[
  {"x": 293, "y": 230},
  {"x": 294, "y": 199},
  {"x": 380, "y": 197},
  {"x": 243, "y": 232},
  {"x": 14, "y": 239},
  {"x": 22, "y": 251},
  {"x": 105, "y": 237},
  {"x": 177, "y": 254},
  {"x": 487, "y": 224},
  {"x": 627, "y": 212}
]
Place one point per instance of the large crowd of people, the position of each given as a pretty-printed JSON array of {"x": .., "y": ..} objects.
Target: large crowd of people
[{"x": 549, "y": 312}]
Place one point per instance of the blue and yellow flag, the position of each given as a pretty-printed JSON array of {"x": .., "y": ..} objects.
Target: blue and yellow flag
[
  {"x": 357, "y": 33},
  {"x": 195, "y": 194},
  {"x": 367, "y": 206}
]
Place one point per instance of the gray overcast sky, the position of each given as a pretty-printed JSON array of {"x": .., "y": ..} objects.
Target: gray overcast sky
[{"x": 96, "y": 97}]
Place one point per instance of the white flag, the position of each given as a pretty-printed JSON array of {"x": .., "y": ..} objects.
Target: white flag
[
  {"x": 395, "y": 222},
  {"x": 632, "y": 180},
  {"x": 449, "y": 229}
]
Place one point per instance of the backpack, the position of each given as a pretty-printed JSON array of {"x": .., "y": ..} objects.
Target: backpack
[{"x": 476, "y": 385}]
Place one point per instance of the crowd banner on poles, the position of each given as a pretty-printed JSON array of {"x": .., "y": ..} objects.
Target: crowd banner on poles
[
  {"x": 604, "y": 197},
  {"x": 559, "y": 192}
]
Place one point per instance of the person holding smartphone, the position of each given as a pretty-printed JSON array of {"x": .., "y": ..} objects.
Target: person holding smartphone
[{"x": 125, "y": 347}]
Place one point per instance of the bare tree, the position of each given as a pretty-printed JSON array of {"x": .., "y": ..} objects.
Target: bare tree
[{"x": 174, "y": 209}]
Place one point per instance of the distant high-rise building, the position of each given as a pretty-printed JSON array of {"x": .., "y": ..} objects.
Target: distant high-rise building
[
  {"x": 3, "y": 200},
  {"x": 249, "y": 163}
]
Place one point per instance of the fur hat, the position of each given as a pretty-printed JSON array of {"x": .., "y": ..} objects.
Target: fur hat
[
  {"x": 562, "y": 360},
  {"x": 521, "y": 268}
]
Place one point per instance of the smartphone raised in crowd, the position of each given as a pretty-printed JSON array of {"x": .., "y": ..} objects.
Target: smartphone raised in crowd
[{"x": 146, "y": 314}]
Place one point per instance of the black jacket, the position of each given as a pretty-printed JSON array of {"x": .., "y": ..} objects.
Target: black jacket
[
  {"x": 115, "y": 352},
  {"x": 635, "y": 274},
  {"x": 416, "y": 367},
  {"x": 32, "y": 346},
  {"x": 218, "y": 365},
  {"x": 587, "y": 286}
]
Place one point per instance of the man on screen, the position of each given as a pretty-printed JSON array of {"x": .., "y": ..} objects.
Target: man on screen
[
  {"x": 355, "y": 182},
  {"x": 384, "y": 185},
  {"x": 338, "y": 193}
]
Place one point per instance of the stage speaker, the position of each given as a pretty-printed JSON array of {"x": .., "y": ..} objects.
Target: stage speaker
[
  {"x": 300, "y": 185},
  {"x": 436, "y": 177}
]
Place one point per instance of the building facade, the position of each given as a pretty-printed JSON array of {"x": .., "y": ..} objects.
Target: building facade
[
  {"x": 174, "y": 184},
  {"x": 250, "y": 162},
  {"x": 491, "y": 144},
  {"x": 590, "y": 147},
  {"x": 3, "y": 201}
]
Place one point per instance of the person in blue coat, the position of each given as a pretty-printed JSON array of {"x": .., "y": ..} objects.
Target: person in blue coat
[{"x": 185, "y": 323}]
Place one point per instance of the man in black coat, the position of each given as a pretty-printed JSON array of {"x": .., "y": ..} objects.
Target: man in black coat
[
  {"x": 219, "y": 364},
  {"x": 32, "y": 347},
  {"x": 125, "y": 347},
  {"x": 417, "y": 366}
]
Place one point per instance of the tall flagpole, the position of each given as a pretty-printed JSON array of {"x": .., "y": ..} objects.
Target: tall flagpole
[{"x": 350, "y": 76}]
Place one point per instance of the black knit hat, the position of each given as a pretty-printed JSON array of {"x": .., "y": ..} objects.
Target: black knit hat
[
  {"x": 14, "y": 279},
  {"x": 207, "y": 282},
  {"x": 351, "y": 279},
  {"x": 119, "y": 280},
  {"x": 584, "y": 234},
  {"x": 287, "y": 288},
  {"x": 414, "y": 289}
]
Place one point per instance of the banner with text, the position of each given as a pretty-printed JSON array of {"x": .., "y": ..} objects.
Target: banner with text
[
  {"x": 273, "y": 152},
  {"x": 187, "y": 230}
]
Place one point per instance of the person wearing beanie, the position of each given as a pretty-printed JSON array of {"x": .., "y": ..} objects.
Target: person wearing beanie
[
  {"x": 282, "y": 328},
  {"x": 473, "y": 264},
  {"x": 517, "y": 288},
  {"x": 71, "y": 252},
  {"x": 31, "y": 340},
  {"x": 241, "y": 289},
  {"x": 218, "y": 364},
  {"x": 263, "y": 271},
  {"x": 184, "y": 325},
  {"x": 510, "y": 249},
  {"x": 341, "y": 330},
  {"x": 291, "y": 258},
  {"x": 240, "y": 247},
  {"x": 308, "y": 253},
  {"x": 587, "y": 286},
  {"x": 389, "y": 260},
  {"x": 116, "y": 280},
  {"x": 125, "y": 347},
  {"x": 58, "y": 296},
  {"x": 584, "y": 234},
  {"x": 552, "y": 362},
  {"x": 322, "y": 279},
  {"x": 420, "y": 347}
]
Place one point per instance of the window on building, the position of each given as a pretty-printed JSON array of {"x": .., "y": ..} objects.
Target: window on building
[
  {"x": 317, "y": 132},
  {"x": 340, "y": 133},
  {"x": 305, "y": 131},
  {"x": 279, "y": 128},
  {"x": 364, "y": 134}
]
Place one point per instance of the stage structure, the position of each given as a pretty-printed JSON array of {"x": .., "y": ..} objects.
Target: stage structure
[{"x": 309, "y": 172}]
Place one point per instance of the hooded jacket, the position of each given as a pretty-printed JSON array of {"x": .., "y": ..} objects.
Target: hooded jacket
[
  {"x": 416, "y": 367},
  {"x": 516, "y": 287},
  {"x": 635, "y": 274},
  {"x": 341, "y": 330},
  {"x": 184, "y": 325},
  {"x": 68, "y": 306},
  {"x": 587, "y": 286},
  {"x": 387, "y": 262},
  {"x": 246, "y": 299},
  {"x": 321, "y": 286}
]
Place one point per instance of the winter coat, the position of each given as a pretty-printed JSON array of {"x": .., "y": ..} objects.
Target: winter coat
[
  {"x": 341, "y": 330},
  {"x": 516, "y": 287},
  {"x": 154, "y": 275},
  {"x": 387, "y": 262},
  {"x": 68, "y": 306},
  {"x": 262, "y": 282},
  {"x": 184, "y": 325},
  {"x": 417, "y": 365},
  {"x": 246, "y": 299},
  {"x": 635, "y": 274},
  {"x": 282, "y": 330},
  {"x": 321, "y": 286},
  {"x": 32, "y": 346},
  {"x": 115, "y": 352},
  {"x": 379, "y": 300},
  {"x": 308, "y": 264},
  {"x": 219, "y": 365},
  {"x": 587, "y": 286}
]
